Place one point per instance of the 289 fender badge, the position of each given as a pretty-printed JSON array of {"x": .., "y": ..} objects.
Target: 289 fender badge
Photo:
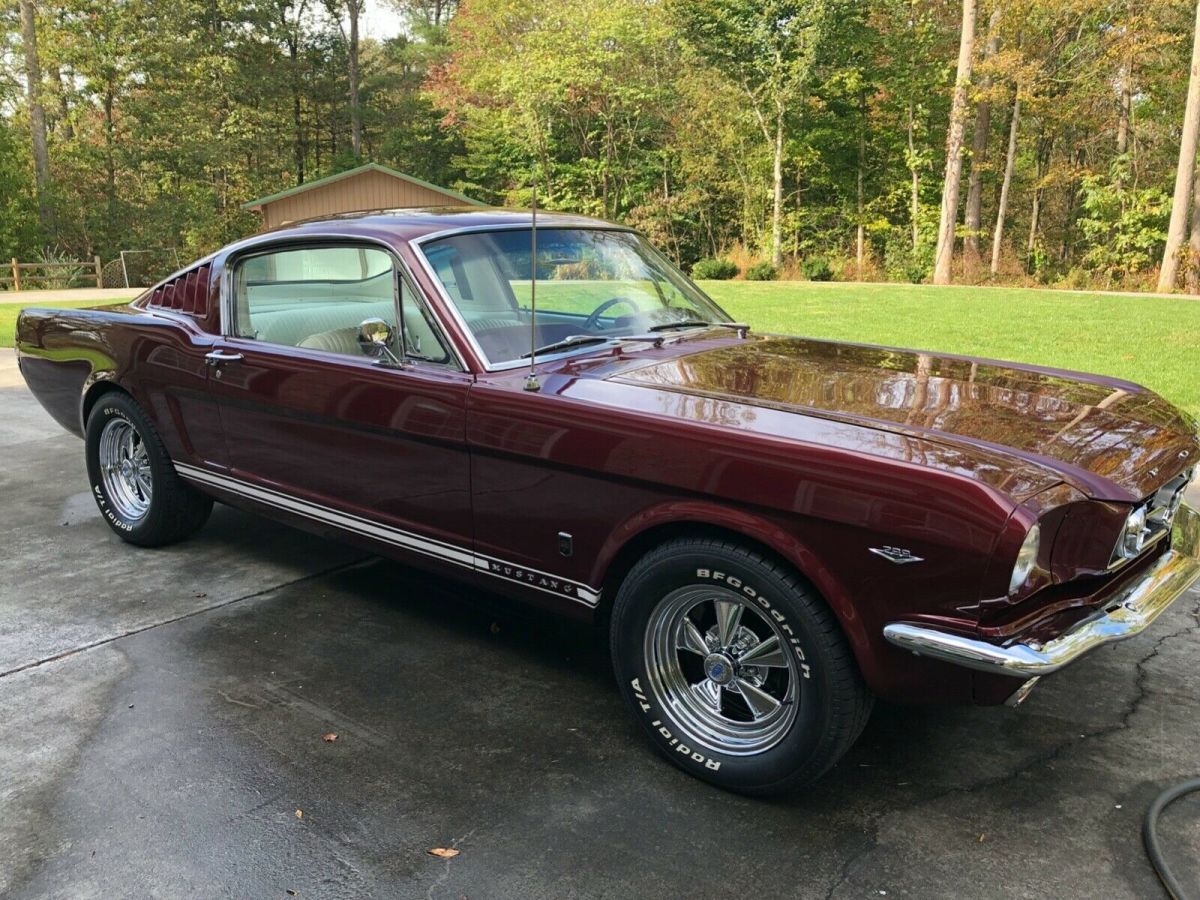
[{"x": 897, "y": 555}]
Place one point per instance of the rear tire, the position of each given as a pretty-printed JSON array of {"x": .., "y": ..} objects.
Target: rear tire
[
  {"x": 134, "y": 482},
  {"x": 739, "y": 674}
]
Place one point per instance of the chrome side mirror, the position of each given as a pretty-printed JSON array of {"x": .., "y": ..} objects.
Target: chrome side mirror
[
  {"x": 374, "y": 333},
  {"x": 375, "y": 338}
]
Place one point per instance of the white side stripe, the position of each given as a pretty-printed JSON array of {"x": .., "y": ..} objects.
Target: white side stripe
[{"x": 531, "y": 578}]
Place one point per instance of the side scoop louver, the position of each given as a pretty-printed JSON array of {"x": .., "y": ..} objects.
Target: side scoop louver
[{"x": 187, "y": 293}]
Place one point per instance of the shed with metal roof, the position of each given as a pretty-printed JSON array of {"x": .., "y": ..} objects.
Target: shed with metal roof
[{"x": 367, "y": 187}]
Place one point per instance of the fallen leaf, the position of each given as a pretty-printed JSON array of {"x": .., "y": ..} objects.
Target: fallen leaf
[
  {"x": 444, "y": 852},
  {"x": 290, "y": 892},
  {"x": 982, "y": 837},
  {"x": 329, "y": 737},
  {"x": 299, "y": 814},
  {"x": 202, "y": 595},
  {"x": 495, "y": 629}
]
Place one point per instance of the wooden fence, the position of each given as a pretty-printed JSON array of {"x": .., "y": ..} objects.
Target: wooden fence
[{"x": 92, "y": 271}]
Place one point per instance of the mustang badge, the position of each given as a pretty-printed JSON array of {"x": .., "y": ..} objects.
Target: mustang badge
[{"x": 897, "y": 555}]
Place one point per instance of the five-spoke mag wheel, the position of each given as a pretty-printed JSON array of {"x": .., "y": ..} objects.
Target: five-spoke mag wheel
[
  {"x": 125, "y": 469},
  {"x": 721, "y": 667},
  {"x": 134, "y": 483},
  {"x": 734, "y": 666}
]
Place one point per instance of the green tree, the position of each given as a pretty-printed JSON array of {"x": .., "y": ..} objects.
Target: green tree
[{"x": 768, "y": 48}]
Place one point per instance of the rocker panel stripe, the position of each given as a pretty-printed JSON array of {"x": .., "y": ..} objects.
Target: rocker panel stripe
[{"x": 407, "y": 540}]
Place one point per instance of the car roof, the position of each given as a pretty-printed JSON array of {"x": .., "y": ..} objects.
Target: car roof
[{"x": 412, "y": 224}]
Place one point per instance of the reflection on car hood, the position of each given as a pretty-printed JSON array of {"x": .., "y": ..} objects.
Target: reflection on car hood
[{"x": 1111, "y": 439}]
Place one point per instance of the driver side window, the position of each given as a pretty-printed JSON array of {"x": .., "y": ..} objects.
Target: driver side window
[{"x": 317, "y": 297}]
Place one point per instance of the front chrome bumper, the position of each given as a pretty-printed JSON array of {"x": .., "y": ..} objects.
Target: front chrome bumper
[{"x": 1129, "y": 612}]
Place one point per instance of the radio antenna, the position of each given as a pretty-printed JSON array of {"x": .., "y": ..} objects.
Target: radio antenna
[{"x": 531, "y": 380}]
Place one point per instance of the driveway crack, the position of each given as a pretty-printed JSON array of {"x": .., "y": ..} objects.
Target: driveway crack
[
  {"x": 312, "y": 576},
  {"x": 1141, "y": 692}
]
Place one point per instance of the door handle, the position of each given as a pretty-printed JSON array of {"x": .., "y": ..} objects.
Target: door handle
[{"x": 216, "y": 357}]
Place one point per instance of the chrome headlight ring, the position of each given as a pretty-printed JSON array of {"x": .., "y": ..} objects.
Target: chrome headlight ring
[{"x": 1026, "y": 563}]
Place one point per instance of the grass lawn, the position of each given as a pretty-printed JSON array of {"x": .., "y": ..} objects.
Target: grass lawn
[{"x": 1152, "y": 341}]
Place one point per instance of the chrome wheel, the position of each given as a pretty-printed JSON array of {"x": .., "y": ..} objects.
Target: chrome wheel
[
  {"x": 720, "y": 669},
  {"x": 125, "y": 469}
]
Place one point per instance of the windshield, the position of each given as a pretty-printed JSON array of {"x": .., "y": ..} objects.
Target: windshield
[{"x": 590, "y": 283}]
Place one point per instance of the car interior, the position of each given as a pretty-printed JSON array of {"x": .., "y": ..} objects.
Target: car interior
[{"x": 311, "y": 298}]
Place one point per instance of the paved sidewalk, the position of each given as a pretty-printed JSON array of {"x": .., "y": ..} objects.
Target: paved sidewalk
[{"x": 98, "y": 295}]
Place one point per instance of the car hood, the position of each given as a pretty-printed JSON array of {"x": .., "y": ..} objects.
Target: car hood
[{"x": 1111, "y": 439}]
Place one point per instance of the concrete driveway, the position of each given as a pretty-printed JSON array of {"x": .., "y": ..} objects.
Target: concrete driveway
[{"x": 162, "y": 717}]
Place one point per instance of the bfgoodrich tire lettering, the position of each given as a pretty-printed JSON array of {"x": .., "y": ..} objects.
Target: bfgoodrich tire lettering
[
  {"x": 133, "y": 481},
  {"x": 765, "y": 695}
]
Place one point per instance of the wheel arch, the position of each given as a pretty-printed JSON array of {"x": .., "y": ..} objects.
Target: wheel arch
[
  {"x": 768, "y": 538},
  {"x": 97, "y": 385}
]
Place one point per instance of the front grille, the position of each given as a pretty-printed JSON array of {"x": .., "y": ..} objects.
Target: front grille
[{"x": 1150, "y": 521}]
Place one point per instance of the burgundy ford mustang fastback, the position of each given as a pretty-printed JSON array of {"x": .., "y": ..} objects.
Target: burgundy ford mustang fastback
[{"x": 774, "y": 530}]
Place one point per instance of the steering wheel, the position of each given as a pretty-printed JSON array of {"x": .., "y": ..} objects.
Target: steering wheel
[{"x": 593, "y": 321}]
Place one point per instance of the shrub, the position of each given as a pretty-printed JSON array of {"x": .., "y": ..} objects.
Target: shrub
[
  {"x": 1077, "y": 279},
  {"x": 903, "y": 262},
  {"x": 762, "y": 271},
  {"x": 715, "y": 269},
  {"x": 1124, "y": 227},
  {"x": 817, "y": 268},
  {"x": 59, "y": 275}
]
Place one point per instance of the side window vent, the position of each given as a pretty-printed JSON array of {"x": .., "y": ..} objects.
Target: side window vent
[{"x": 187, "y": 294}]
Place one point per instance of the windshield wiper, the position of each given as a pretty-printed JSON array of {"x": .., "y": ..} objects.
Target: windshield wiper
[
  {"x": 575, "y": 340},
  {"x": 699, "y": 323}
]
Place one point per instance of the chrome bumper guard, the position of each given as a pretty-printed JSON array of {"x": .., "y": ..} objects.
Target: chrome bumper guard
[{"x": 1129, "y": 612}]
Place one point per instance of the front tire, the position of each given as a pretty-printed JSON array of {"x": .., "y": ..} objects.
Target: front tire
[
  {"x": 739, "y": 674},
  {"x": 134, "y": 483}
]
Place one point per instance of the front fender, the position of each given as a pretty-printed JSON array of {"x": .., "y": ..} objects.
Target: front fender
[{"x": 662, "y": 521}]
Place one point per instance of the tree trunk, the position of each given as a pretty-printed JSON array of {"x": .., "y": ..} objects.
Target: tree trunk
[
  {"x": 954, "y": 146},
  {"x": 1193, "y": 267},
  {"x": 1041, "y": 163},
  {"x": 37, "y": 113},
  {"x": 1010, "y": 165},
  {"x": 1185, "y": 173},
  {"x": 1078, "y": 160},
  {"x": 799, "y": 206},
  {"x": 777, "y": 213},
  {"x": 973, "y": 217},
  {"x": 354, "y": 7},
  {"x": 1125, "y": 105},
  {"x": 110, "y": 167},
  {"x": 860, "y": 237},
  {"x": 64, "y": 106},
  {"x": 914, "y": 209},
  {"x": 298, "y": 151},
  {"x": 292, "y": 30}
]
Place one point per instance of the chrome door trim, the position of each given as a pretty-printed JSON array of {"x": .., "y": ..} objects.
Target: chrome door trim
[
  {"x": 414, "y": 542},
  {"x": 324, "y": 239}
]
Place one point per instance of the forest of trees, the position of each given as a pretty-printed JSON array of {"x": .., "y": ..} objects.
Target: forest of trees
[{"x": 948, "y": 140}]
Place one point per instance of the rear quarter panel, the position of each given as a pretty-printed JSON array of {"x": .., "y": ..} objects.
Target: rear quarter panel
[{"x": 66, "y": 355}]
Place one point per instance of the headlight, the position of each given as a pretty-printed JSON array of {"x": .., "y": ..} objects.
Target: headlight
[
  {"x": 1133, "y": 538},
  {"x": 1026, "y": 560}
]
